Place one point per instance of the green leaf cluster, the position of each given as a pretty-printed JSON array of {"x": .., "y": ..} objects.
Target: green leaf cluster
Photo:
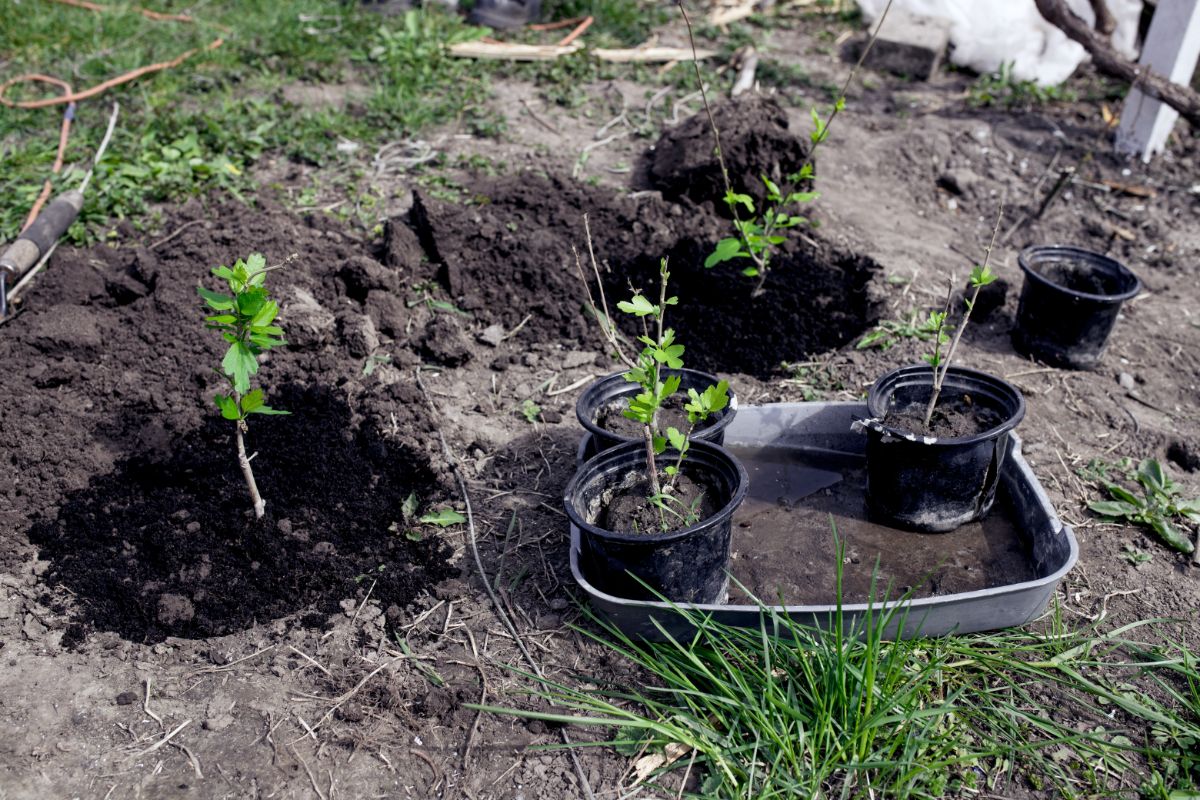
[
  {"x": 246, "y": 320},
  {"x": 1161, "y": 504},
  {"x": 759, "y": 236}
]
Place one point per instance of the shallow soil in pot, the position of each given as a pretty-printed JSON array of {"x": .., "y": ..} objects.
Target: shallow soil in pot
[
  {"x": 953, "y": 417},
  {"x": 611, "y": 417},
  {"x": 625, "y": 509}
]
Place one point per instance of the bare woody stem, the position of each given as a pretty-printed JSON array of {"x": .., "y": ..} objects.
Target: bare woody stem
[
  {"x": 939, "y": 376},
  {"x": 260, "y": 505},
  {"x": 607, "y": 327}
]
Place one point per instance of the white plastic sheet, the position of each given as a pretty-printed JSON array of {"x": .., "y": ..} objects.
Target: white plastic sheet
[{"x": 984, "y": 34}]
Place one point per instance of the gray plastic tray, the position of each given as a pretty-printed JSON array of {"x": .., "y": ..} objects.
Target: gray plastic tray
[{"x": 818, "y": 431}]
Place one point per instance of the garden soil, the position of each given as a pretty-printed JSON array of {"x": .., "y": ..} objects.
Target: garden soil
[{"x": 159, "y": 643}]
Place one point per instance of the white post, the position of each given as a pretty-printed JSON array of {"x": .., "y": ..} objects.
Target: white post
[{"x": 1171, "y": 49}]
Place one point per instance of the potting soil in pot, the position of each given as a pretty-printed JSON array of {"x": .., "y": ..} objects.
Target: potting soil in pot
[
  {"x": 624, "y": 508},
  {"x": 611, "y": 417},
  {"x": 1079, "y": 276},
  {"x": 954, "y": 416}
]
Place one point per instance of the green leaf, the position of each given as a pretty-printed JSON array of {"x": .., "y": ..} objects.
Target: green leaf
[
  {"x": 750, "y": 272},
  {"x": 873, "y": 338},
  {"x": 271, "y": 412},
  {"x": 1151, "y": 475},
  {"x": 252, "y": 401},
  {"x": 1171, "y": 535},
  {"x": 255, "y": 264},
  {"x": 671, "y": 470},
  {"x": 251, "y": 301},
  {"x": 229, "y": 409},
  {"x": 221, "y": 320},
  {"x": 677, "y": 439},
  {"x": 266, "y": 314},
  {"x": 803, "y": 197},
  {"x": 1114, "y": 508},
  {"x": 726, "y": 249},
  {"x": 1119, "y": 492},
  {"x": 659, "y": 443},
  {"x": 772, "y": 190},
  {"x": 239, "y": 364},
  {"x": 982, "y": 276},
  {"x": 444, "y": 518},
  {"x": 408, "y": 509},
  {"x": 216, "y": 301},
  {"x": 733, "y": 199},
  {"x": 639, "y": 306}
]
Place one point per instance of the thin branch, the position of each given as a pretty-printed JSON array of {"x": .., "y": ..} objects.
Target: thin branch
[{"x": 940, "y": 378}]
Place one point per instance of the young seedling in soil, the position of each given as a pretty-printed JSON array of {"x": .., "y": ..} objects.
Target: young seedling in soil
[
  {"x": 1159, "y": 508},
  {"x": 761, "y": 233},
  {"x": 980, "y": 276},
  {"x": 660, "y": 349},
  {"x": 245, "y": 319}
]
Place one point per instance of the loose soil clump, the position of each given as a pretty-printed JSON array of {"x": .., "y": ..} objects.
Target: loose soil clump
[{"x": 953, "y": 418}]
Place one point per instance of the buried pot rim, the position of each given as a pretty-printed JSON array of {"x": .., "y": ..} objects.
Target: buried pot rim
[
  {"x": 707, "y": 433},
  {"x": 617, "y": 454},
  {"x": 1029, "y": 254},
  {"x": 885, "y": 386}
]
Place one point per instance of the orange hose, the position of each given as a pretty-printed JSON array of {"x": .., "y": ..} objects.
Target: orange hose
[
  {"x": 98, "y": 88},
  {"x": 145, "y": 12},
  {"x": 64, "y": 133},
  {"x": 573, "y": 35}
]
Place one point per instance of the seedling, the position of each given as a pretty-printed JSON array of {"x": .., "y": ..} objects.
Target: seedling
[
  {"x": 763, "y": 231},
  {"x": 660, "y": 349},
  {"x": 531, "y": 411},
  {"x": 980, "y": 276},
  {"x": 889, "y": 332},
  {"x": 1159, "y": 508},
  {"x": 246, "y": 320}
]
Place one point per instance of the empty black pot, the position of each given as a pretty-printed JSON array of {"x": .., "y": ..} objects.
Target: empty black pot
[
  {"x": 929, "y": 484},
  {"x": 604, "y": 390},
  {"x": 685, "y": 566},
  {"x": 1069, "y": 304}
]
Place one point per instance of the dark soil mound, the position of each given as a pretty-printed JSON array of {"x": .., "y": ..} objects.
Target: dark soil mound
[
  {"x": 171, "y": 548},
  {"x": 756, "y": 142},
  {"x": 512, "y": 258},
  {"x": 125, "y": 476}
]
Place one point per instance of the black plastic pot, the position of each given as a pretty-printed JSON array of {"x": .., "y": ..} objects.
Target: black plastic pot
[
  {"x": 685, "y": 566},
  {"x": 606, "y": 389},
  {"x": 1068, "y": 325},
  {"x": 929, "y": 484}
]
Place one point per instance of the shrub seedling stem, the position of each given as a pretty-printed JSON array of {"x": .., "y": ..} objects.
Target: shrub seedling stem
[{"x": 979, "y": 278}]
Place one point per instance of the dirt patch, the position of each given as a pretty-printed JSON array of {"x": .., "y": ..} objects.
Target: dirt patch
[
  {"x": 128, "y": 484},
  {"x": 953, "y": 417}
]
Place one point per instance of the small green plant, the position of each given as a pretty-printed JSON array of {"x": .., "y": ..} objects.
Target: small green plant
[
  {"x": 660, "y": 350},
  {"x": 245, "y": 319},
  {"x": 1160, "y": 507},
  {"x": 889, "y": 333},
  {"x": 814, "y": 379},
  {"x": 764, "y": 230},
  {"x": 1002, "y": 89},
  {"x": 758, "y": 235},
  {"x": 980, "y": 276},
  {"x": 531, "y": 411}
]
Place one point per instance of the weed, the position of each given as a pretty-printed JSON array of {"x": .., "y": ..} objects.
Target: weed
[
  {"x": 786, "y": 710},
  {"x": 531, "y": 411},
  {"x": 1160, "y": 507},
  {"x": 1135, "y": 555},
  {"x": 1003, "y": 90},
  {"x": 889, "y": 333},
  {"x": 814, "y": 379},
  {"x": 245, "y": 319}
]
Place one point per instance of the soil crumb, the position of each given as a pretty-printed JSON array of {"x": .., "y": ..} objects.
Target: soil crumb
[{"x": 953, "y": 417}]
